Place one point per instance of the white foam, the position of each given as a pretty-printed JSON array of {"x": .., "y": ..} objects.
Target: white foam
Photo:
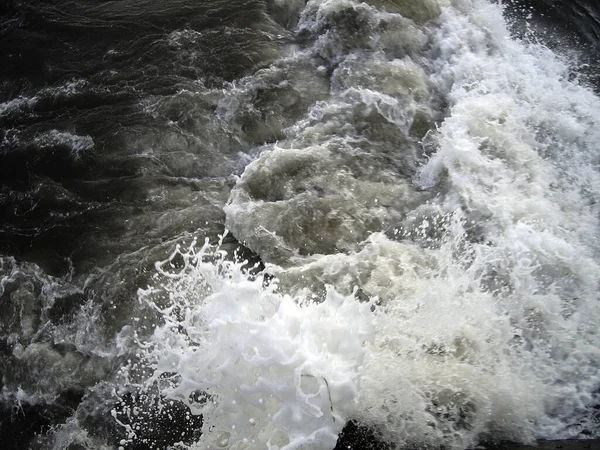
[
  {"x": 488, "y": 287},
  {"x": 277, "y": 371},
  {"x": 76, "y": 143},
  {"x": 23, "y": 103}
]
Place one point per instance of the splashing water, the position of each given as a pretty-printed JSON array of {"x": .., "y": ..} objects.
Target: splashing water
[
  {"x": 268, "y": 369},
  {"x": 433, "y": 241}
]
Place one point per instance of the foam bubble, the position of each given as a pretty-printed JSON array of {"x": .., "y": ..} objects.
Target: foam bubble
[
  {"x": 76, "y": 144},
  {"x": 471, "y": 242},
  {"x": 270, "y": 370}
]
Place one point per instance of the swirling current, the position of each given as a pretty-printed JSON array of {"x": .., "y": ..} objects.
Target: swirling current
[{"x": 288, "y": 224}]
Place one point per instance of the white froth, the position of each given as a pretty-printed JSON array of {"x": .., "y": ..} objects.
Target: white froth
[
  {"x": 480, "y": 246},
  {"x": 76, "y": 143},
  {"x": 273, "y": 371},
  {"x": 23, "y": 103}
]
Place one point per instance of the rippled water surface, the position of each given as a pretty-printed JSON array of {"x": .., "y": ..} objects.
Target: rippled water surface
[{"x": 298, "y": 224}]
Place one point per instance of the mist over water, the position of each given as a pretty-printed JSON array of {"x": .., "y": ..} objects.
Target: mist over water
[{"x": 409, "y": 191}]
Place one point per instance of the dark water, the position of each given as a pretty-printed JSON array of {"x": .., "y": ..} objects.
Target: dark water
[
  {"x": 119, "y": 138},
  {"x": 571, "y": 27},
  {"x": 110, "y": 57},
  {"x": 80, "y": 192}
]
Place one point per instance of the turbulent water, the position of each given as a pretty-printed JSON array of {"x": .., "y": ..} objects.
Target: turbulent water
[{"x": 294, "y": 224}]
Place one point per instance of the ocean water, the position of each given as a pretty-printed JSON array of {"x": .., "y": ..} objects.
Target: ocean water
[{"x": 316, "y": 224}]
